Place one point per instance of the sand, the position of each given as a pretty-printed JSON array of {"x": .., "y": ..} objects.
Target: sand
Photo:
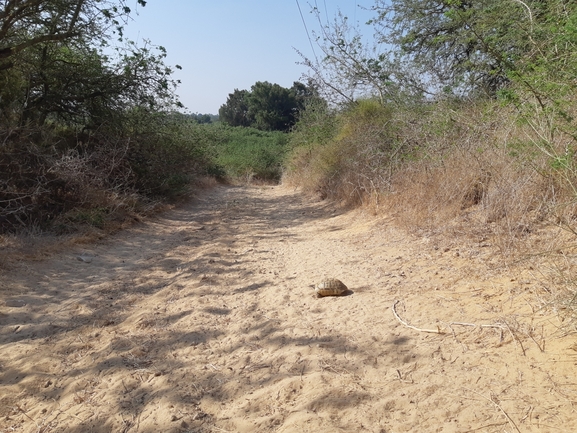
[{"x": 204, "y": 320}]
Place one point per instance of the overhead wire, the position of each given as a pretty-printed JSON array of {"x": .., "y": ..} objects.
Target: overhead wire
[{"x": 307, "y": 30}]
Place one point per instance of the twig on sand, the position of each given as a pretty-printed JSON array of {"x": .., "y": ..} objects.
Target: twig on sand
[
  {"x": 476, "y": 325},
  {"x": 433, "y": 331},
  {"x": 540, "y": 346},
  {"x": 498, "y": 406},
  {"x": 26, "y": 415},
  {"x": 515, "y": 338},
  {"x": 450, "y": 325}
]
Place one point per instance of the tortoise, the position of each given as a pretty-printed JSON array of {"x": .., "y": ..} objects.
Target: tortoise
[{"x": 331, "y": 287}]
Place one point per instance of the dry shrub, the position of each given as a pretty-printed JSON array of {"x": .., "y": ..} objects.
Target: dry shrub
[
  {"x": 59, "y": 178},
  {"x": 487, "y": 175},
  {"x": 42, "y": 185},
  {"x": 312, "y": 169},
  {"x": 491, "y": 193},
  {"x": 299, "y": 171},
  {"x": 468, "y": 168},
  {"x": 314, "y": 150},
  {"x": 481, "y": 170}
]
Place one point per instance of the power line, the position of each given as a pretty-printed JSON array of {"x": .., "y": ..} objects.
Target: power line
[
  {"x": 318, "y": 12},
  {"x": 307, "y": 30}
]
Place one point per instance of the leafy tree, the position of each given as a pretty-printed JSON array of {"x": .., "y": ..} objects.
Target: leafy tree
[
  {"x": 236, "y": 110},
  {"x": 522, "y": 50},
  {"x": 462, "y": 43},
  {"x": 202, "y": 118},
  {"x": 273, "y": 107},
  {"x": 28, "y": 23},
  {"x": 269, "y": 107},
  {"x": 303, "y": 93},
  {"x": 426, "y": 46},
  {"x": 51, "y": 66},
  {"x": 76, "y": 123}
]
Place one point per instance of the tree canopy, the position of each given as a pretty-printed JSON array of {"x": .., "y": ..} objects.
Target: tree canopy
[
  {"x": 52, "y": 63},
  {"x": 431, "y": 47},
  {"x": 84, "y": 114},
  {"x": 470, "y": 43},
  {"x": 269, "y": 107}
]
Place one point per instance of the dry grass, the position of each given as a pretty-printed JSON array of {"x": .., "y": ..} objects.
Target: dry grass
[
  {"x": 494, "y": 181},
  {"x": 443, "y": 164}
]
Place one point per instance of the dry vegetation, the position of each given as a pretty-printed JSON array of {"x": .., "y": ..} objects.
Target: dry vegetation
[
  {"x": 488, "y": 185},
  {"x": 438, "y": 163},
  {"x": 468, "y": 171}
]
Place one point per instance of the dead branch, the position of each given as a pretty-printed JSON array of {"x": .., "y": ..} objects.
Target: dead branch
[
  {"x": 498, "y": 406},
  {"x": 433, "y": 331},
  {"x": 450, "y": 325},
  {"x": 475, "y": 325}
]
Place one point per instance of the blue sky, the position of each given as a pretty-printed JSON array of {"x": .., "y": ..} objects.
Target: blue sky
[{"x": 231, "y": 44}]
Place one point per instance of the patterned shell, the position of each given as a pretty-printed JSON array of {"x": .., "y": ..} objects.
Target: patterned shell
[{"x": 330, "y": 287}]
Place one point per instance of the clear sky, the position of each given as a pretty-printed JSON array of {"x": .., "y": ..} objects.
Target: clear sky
[{"x": 225, "y": 45}]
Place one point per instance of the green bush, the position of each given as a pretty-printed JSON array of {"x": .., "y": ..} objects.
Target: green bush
[
  {"x": 248, "y": 153},
  {"x": 347, "y": 156},
  {"x": 168, "y": 153}
]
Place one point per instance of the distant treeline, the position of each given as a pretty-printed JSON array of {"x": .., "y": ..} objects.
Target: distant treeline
[{"x": 203, "y": 118}]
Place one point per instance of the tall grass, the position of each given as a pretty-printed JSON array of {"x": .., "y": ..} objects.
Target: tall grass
[{"x": 245, "y": 154}]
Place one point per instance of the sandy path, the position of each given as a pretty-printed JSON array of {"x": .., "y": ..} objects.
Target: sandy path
[{"x": 204, "y": 320}]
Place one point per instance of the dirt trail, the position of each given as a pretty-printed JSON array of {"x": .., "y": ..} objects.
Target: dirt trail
[{"x": 204, "y": 320}]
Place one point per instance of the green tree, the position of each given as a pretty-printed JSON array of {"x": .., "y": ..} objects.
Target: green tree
[
  {"x": 235, "y": 111},
  {"x": 523, "y": 50},
  {"x": 51, "y": 65},
  {"x": 77, "y": 122},
  {"x": 28, "y": 23},
  {"x": 461, "y": 45},
  {"x": 429, "y": 46},
  {"x": 201, "y": 118},
  {"x": 267, "y": 106},
  {"x": 273, "y": 107}
]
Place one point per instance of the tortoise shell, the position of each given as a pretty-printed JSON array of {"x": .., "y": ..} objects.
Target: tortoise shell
[{"x": 330, "y": 287}]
